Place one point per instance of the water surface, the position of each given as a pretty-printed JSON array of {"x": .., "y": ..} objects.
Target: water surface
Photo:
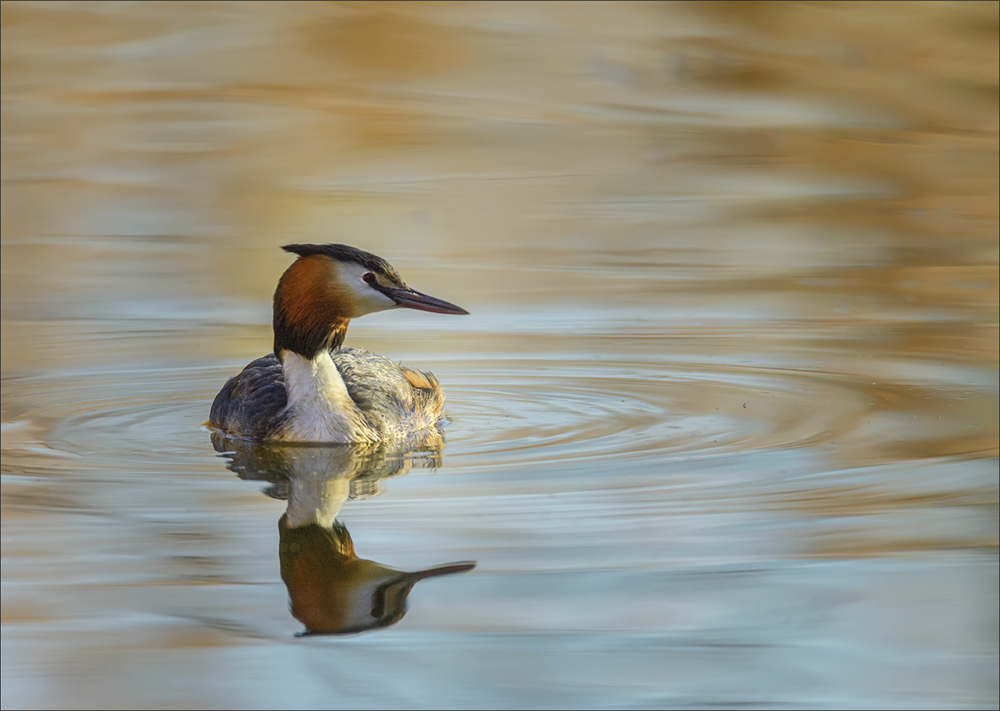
[{"x": 722, "y": 424}]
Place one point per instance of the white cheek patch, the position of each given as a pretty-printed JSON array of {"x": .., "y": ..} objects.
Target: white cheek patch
[{"x": 363, "y": 298}]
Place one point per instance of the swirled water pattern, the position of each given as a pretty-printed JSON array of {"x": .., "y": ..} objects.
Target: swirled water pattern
[{"x": 722, "y": 424}]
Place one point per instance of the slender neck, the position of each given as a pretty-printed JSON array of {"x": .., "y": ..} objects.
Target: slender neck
[
  {"x": 309, "y": 317},
  {"x": 309, "y": 339}
]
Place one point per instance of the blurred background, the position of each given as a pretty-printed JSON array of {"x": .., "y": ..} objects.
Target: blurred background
[{"x": 723, "y": 421}]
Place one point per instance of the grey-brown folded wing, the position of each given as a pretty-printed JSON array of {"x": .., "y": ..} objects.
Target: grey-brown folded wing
[{"x": 391, "y": 398}]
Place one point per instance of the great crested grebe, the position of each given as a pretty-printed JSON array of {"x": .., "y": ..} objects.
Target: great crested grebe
[{"x": 312, "y": 390}]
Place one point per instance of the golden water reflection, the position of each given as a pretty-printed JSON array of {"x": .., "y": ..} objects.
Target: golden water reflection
[{"x": 724, "y": 419}]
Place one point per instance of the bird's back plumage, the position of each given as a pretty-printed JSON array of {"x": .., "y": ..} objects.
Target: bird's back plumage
[{"x": 393, "y": 401}]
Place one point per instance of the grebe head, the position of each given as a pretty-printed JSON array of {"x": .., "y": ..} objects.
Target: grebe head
[{"x": 327, "y": 286}]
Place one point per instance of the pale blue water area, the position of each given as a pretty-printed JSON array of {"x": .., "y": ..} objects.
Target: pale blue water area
[{"x": 722, "y": 424}]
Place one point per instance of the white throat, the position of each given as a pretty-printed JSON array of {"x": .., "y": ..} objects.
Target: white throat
[{"x": 319, "y": 407}]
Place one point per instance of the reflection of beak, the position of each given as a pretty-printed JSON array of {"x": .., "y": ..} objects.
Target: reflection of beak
[{"x": 411, "y": 299}]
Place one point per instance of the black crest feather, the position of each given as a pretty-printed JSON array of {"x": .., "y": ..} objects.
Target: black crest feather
[{"x": 344, "y": 253}]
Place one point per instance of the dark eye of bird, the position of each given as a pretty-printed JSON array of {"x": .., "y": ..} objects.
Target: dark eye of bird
[{"x": 369, "y": 278}]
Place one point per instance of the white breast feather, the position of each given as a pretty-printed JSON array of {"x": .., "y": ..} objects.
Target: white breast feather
[{"x": 319, "y": 407}]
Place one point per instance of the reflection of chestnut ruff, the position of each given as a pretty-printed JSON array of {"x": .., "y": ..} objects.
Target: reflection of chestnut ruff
[{"x": 333, "y": 591}]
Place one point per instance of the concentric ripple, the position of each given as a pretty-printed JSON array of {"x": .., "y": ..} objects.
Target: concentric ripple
[
  {"x": 541, "y": 411},
  {"x": 143, "y": 418},
  {"x": 501, "y": 412}
]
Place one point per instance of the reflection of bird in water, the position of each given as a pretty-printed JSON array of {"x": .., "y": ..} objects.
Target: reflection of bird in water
[
  {"x": 364, "y": 466},
  {"x": 335, "y": 592},
  {"x": 312, "y": 390},
  {"x": 332, "y": 591}
]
